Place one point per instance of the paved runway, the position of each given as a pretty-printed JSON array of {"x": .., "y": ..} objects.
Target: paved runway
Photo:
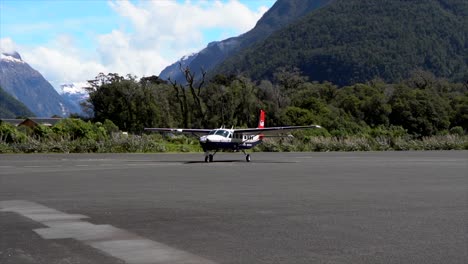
[{"x": 361, "y": 207}]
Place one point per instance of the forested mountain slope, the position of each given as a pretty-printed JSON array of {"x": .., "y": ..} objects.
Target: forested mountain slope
[
  {"x": 12, "y": 108},
  {"x": 282, "y": 13},
  {"x": 351, "y": 41}
]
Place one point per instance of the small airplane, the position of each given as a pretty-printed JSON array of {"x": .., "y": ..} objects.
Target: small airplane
[{"x": 232, "y": 139}]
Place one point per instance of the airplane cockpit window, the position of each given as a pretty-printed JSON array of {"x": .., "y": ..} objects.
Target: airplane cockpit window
[
  {"x": 221, "y": 132},
  {"x": 212, "y": 132}
]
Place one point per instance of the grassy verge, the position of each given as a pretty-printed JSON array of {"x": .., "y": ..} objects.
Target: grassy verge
[
  {"x": 156, "y": 143},
  {"x": 355, "y": 143}
]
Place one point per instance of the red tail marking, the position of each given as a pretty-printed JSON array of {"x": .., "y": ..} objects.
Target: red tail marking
[{"x": 261, "y": 122}]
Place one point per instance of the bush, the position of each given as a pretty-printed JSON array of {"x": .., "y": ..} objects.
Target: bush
[
  {"x": 74, "y": 129},
  {"x": 458, "y": 130},
  {"x": 9, "y": 134},
  {"x": 5, "y": 148},
  {"x": 41, "y": 131},
  {"x": 110, "y": 127}
]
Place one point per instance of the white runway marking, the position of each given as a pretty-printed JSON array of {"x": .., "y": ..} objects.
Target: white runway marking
[{"x": 116, "y": 242}]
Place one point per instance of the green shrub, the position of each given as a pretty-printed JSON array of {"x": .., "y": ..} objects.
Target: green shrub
[
  {"x": 76, "y": 128},
  {"x": 42, "y": 132},
  {"x": 5, "y": 148},
  {"x": 110, "y": 127},
  {"x": 457, "y": 130},
  {"x": 9, "y": 134}
]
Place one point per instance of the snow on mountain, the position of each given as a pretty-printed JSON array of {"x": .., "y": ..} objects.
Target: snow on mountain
[
  {"x": 27, "y": 85},
  {"x": 74, "y": 94},
  {"x": 74, "y": 88},
  {"x": 11, "y": 57},
  {"x": 174, "y": 69},
  {"x": 188, "y": 57}
]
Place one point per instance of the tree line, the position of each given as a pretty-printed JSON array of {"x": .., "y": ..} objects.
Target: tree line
[
  {"x": 419, "y": 113},
  {"x": 420, "y": 106}
]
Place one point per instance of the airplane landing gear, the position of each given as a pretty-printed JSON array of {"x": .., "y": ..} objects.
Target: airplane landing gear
[
  {"x": 209, "y": 157},
  {"x": 247, "y": 156}
]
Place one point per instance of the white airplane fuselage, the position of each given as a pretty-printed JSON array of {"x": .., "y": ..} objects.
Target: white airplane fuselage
[{"x": 227, "y": 139}]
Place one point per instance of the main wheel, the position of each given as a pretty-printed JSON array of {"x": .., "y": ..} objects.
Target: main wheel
[
  {"x": 206, "y": 158},
  {"x": 247, "y": 158},
  {"x": 211, "y": 157}
]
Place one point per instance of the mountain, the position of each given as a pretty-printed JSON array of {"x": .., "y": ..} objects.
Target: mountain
[
  {"x": 282, "y": 13},
  {"x": 74, "y": 94},
  {"x": 12, "y": 108},
  {"x": 173, "y": 71},
  {"x": 28, "y": 86},
  {"x": 351, "y": 41}
]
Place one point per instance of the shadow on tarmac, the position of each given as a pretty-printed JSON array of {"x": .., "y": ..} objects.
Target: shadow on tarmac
[
  {"x": 214, "y": 161},
  {"x": 239, "y": 161}
]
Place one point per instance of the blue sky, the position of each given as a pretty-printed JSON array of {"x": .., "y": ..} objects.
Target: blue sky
[
  {"x": 140, "y": 37},
  {"x": 36, "y": 22}
]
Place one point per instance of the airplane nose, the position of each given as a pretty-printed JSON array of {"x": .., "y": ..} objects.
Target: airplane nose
[{"x": 212, "y": 138}]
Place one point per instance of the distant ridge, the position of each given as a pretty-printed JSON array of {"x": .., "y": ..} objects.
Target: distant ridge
[{"x": 282, "y": 13}]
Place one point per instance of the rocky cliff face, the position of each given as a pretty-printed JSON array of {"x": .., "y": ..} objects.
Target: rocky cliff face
[{"x": 28, "y": 86}]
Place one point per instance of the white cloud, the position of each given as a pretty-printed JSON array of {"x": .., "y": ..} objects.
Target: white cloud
[
  {"x": 7, "y": 45},
  {"x": 163, "y": 31},
  {"x": 152, "y": 35},
  {"x": 177, "y": 27},
  {"x": 61, "y": 66},
  {"x": 59, "y": 62}
]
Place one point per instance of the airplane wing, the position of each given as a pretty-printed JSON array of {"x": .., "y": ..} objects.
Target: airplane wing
[
  {"x": 272, "y": 130},
  {"x": 251, "y": 131},
  {"x": 180, "y": 130}
]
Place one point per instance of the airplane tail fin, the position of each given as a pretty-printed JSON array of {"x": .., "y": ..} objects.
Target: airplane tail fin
[{"x": 261, "y": 122}]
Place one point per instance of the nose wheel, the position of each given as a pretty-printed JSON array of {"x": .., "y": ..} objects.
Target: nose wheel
[
  {"x": 247, "y": 156},
  {"x": 209, "y": 157}
]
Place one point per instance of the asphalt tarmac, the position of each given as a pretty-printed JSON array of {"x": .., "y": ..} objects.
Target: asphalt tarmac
[{"x": 360, "y": 207}]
